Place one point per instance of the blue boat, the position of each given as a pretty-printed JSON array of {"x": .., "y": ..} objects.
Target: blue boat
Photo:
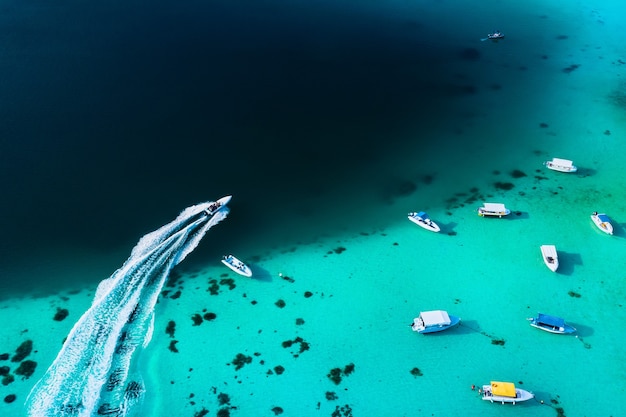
[
  {"x": 434, "y": 321},
  {"x": 551, "y": 324}
]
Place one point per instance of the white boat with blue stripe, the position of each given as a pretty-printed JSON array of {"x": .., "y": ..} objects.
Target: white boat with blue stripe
[
  {"x": 551, "y": 324},
  {"x": 421, "y": 219},
  {"x": 603, "y": 222}
]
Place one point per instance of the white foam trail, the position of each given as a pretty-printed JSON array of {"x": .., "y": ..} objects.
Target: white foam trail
[
  {"x": 149, "y": 332},
  {"x": 91, "y": 372}
]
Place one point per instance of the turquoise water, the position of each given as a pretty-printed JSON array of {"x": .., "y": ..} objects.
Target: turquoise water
[{"x": 347, "y": 241}]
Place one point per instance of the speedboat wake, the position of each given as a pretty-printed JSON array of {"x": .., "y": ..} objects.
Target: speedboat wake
[{"x": 93, "y": 374}]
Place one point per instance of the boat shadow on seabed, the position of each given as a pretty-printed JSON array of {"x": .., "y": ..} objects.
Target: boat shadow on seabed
[{"x": 567, "y": 262}]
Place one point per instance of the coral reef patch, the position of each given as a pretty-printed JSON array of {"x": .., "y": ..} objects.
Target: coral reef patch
[
  {"x": 241, "y": 360},
  {"x": 304, "y": 346},
  {"x": 171, "y": 328},
  {"x": 26, "y": 368},
  {"x": 571, "y": 68},
  {"x": 331, "y": 396},
  {"x": 344, "y": 411},
  {"x": 22, "y": 351},
  {"x": 336, "y": 374},
  {"x": 197, "y": 319},
  {"x": 61, "y": 314}
]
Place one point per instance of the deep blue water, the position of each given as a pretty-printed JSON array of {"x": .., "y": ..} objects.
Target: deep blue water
[{"x": 116, "y": 115}]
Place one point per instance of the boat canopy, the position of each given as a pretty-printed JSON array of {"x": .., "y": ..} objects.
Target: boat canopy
[
  {"x": 604, "y": 218},
  {"x": 503, "y": 389},
  {"x": 495, "y": 207},
  {"x": 550, "y": 320},
  {"x": 423, "y": 215},
  {"x": 566, "y": 163},
  {"x": 435, "y": 318},
  {"x": 549, "y": 250}
]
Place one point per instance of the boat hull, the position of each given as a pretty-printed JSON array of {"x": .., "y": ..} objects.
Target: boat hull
[
  {"x": 559, "y": 168},
  {"x": 520, "y": 396},
  {"x": 486, "y": 213},
  {"x": 218, "y": 205},
  {"x": 454, "y": 320},
  {"x": 605, "y": 226},
  {"x": 550, "y": 257},
  {"x": 428, "y": 225},
  {"x": 224, "y": 200},
  {"x": 237, "y": 266}
]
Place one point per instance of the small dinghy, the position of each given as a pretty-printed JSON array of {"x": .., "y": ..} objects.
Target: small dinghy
[{"x": 550, "y": 257}]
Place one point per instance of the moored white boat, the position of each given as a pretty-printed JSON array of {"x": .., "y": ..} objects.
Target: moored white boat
[
  {"x": 550, "y": 257},
  {"x": 603, "y": 222},
  {"x": 551, "y": 324},
  {"x": 561, "y": 165},
  {"x": 493, "y": 209},
  {"x": 495, "y": 35},
  {"x": 505, "y": 392},
  {"x": 434, "y": 321},
  {"x": 237, "y": 265},
  {"x": 421, "y": 219},
  {"x": 218, "y": 205}
]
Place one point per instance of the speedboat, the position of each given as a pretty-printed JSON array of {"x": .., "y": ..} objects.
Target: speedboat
[
  {"x": 561, "y": 165},
  {"x": 421, "y": 219},
  {"x": 550, "y": 257},
  {"x": 237, "y": 265},
  {"x": 603, "y": 222},
  {"x": 505, "y": 392},
  {"x": 434, "y": 321},
  {"x": 493, "y": 209},
  {"x": 551, "y": 324},
  {"x": 495, "y": 35},
  {"x": 218, "y": 205}
]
